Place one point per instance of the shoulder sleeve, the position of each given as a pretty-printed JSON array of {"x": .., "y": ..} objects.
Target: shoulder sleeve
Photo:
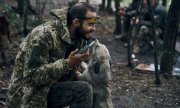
[{"x": 38, "y": 69}]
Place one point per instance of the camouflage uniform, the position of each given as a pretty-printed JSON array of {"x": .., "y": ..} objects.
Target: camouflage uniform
[{"x": 40, "y": 63}]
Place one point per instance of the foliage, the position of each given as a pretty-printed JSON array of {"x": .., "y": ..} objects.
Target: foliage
[
  {"x": 15, "y": 21},
  {"x": 125, "y": 2}
]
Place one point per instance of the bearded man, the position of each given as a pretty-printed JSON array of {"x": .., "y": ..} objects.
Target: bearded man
[{"x": 45, "y": 66}]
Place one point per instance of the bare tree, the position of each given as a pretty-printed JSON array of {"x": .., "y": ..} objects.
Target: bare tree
[
  {"x": 25, "y": 16},
  {"x": 164, "y": 3},
  {"x": 102, "y": 7},
  {"x": 109, "y": 8},
  {"x": 135, "y": 3},
  {"x": 118, "y": 18},
  {"x": 4, "y": 39},
  {"x": 24, "y": 8},
  {"x": 170, "y": 38},
  {"x": 43, "y": 7},
  {"x": 40, "y": 6},
  {"x": 20, "y": 6}
]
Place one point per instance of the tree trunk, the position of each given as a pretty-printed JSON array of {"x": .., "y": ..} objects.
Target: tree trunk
[
  {"x": 118, "y": 18},
  {"x": 41, "y": 8},
  {"x": 4, "y": 39},
  {"x": 102, "y": 8},
  {"x": 20, "y": 7},
  {"x": 109, "y": 8},
  {"x": 153, "y": 32},
  {"x": 164, "y": 3},
  {"x": 38, "y": 9},
  {"x": 170, "y": 38},
  {"x": 135, "y": 3},
  {"x": 25, "y": 16}
]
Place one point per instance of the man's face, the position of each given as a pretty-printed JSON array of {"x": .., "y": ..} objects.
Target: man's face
[
  {"x": 153, "y": 2},
  {"x": 87, "y": 26},
  {"x": 145, "y": 3}
]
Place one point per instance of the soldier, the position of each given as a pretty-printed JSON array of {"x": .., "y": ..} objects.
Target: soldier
[
  {"x": 145, "y": 22},
  {"x": 46, "y": 63},
  {"x": 160, "y": 15},
  {"x": 127, "y": 13}
]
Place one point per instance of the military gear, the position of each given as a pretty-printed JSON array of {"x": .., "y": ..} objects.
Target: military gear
[{"x": 40, "y": 62}]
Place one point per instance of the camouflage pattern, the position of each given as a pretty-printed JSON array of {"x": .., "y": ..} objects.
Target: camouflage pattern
[{"x": 40, "y": 62}]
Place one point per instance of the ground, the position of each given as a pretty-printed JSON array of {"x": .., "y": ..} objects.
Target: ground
[{"x": 130, "y": 88}]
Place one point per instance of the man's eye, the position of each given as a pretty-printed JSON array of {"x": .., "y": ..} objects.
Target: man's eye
[{"x": 91, "y": 24}]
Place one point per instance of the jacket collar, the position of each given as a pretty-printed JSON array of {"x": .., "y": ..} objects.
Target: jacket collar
[{"x": 61, "y": 15}]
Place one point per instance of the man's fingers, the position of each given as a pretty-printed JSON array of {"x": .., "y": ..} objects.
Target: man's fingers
[
  {"x": 78, "y": 73},
  {"x": 73, "y": 52},
  {"x": 109, "y": 87},
  {"x": 87, "y": 52},
  {"x": 78, "y": 57},
  {"x": 84, "y": 56}
]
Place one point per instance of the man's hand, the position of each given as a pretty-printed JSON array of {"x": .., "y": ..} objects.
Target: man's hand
[
  {"x": 109, "y": 86},
  {"x": 135, "y": 20},
  {"x": 78, "y": 74},
  {"x": 74, "y": 59},
  {"x": 122, "y": 12}
]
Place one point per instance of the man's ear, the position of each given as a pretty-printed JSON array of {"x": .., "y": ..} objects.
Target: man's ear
[{"x": 76, "y": 22}]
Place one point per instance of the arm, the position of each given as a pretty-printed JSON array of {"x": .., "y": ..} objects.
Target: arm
[{"x": 38, "y": 69}]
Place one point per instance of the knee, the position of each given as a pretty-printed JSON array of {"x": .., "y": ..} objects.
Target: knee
[{"x": 87, "y": 87}]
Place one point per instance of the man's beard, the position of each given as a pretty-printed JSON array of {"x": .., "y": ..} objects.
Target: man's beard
[{"x": 80, "y": 34}]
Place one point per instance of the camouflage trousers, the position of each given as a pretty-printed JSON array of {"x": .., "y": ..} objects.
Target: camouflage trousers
[{"x": 75, "y": 94}]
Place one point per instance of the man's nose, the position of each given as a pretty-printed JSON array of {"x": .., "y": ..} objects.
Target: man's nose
[{"x": 94, "y": 27}]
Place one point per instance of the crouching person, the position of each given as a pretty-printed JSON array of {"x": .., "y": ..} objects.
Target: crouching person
[{"x": 47, "y": 55}]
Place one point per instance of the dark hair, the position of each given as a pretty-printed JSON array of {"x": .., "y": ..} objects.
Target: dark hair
[{"x": 78, "y": 10}]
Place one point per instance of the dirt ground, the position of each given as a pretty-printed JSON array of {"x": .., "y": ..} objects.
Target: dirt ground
[{"x": 130, "y": 88}]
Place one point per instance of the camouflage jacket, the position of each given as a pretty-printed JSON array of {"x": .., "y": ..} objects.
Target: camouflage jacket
[{"x": 40, "y": 63}]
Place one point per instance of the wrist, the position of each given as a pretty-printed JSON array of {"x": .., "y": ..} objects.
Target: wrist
[{"x": 68, "y": 65}]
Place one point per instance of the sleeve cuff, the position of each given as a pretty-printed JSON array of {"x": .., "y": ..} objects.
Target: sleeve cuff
[{"x": 66, "y": 66}]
